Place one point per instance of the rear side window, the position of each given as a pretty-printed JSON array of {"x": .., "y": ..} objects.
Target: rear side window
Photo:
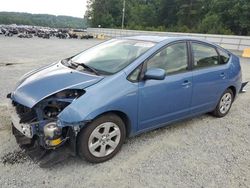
[
  {"x": 224, "y": 56},
  {"x": 204, "y": 56}
]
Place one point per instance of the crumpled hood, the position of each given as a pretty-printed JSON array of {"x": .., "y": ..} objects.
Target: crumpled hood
[{"x": 46, "y": 81}]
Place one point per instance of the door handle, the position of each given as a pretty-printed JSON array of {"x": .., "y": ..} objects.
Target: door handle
[
  {"x": 222, "y": 75},
  {"x": 186, "y": 84}
]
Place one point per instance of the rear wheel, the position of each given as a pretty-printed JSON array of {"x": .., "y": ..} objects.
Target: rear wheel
[
  {"x": 224, "y": 104},
  {"x": 101, "y": 139}
]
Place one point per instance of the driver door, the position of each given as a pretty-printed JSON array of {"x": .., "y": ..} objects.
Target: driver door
[{"x": 162, "y": 101}]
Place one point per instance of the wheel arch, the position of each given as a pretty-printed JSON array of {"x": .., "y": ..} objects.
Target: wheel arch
[
  {"x": 121, "y": 115},
  {"x": 233, "y": 90}
]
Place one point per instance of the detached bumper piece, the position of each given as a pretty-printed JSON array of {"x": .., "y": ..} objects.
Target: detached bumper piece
[
  {"x": 45, "y": 157},
  {"x": 242, "y": 90}
]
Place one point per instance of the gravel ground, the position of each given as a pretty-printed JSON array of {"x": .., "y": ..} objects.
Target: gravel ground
[{"x": 199, "y": 152}]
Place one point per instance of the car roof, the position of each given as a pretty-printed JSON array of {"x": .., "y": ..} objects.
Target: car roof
[
  {"x": 148, "y": 38},
  {"x": 158, "y": 39}
]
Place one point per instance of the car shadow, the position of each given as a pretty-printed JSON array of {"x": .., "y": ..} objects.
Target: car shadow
[{"x": 130, "y": 143}]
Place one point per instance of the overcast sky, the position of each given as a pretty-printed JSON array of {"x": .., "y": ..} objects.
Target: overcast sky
[{"x": 74, "y": 8}]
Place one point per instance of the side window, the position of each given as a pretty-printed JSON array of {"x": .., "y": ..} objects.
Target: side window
[
  {"x": 224, "y": 56},
  {"x": 173, "y": 59},
  {"x": 204, "y": 56}
]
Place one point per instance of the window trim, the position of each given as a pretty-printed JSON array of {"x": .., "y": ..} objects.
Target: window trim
[
  {"x": 190, "y": 58},
  {"x": 226, "y": 52},
  {"x": 139, "y": 75},
  {"x": 189, "y": 63},
  {"x": 191, "y": 42}
]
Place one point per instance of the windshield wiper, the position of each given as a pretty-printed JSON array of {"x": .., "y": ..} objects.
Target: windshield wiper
[
  {"x": 88, "y": 67},
  {"x": 75, "y": 64}
]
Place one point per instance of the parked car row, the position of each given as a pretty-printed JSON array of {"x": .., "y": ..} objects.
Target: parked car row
[{"x": 24, "y": 31}]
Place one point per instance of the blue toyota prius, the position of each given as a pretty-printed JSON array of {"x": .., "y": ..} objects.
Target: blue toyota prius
[{"x": 89, "y": 103}]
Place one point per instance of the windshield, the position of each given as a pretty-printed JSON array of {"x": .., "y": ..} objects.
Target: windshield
[{"x": 113, "y": 55}]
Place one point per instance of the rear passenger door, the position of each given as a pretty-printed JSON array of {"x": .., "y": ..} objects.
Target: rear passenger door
[{"x": 210, "y": 77}]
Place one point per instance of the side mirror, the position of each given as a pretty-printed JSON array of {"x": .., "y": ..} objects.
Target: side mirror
[{"x": 155, "y": 74}]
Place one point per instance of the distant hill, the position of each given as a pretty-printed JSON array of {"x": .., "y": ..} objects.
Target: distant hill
[{"x": 45, "y": 20}]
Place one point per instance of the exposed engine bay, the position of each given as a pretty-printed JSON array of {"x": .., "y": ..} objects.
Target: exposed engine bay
[{"x": 37, "y": 129}]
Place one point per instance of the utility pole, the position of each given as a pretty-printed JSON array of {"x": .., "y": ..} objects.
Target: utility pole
[{"x": 123, "y": 13}]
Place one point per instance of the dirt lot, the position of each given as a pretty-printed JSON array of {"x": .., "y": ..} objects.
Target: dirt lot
[{"x": 199, "y": 152}]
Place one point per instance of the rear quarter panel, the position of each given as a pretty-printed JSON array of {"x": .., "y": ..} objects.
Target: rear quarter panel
[{"x": 235, "y": 74}]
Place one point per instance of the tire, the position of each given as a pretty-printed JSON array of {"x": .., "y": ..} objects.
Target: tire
[
  {"x": 101, "y": 139},
  {"x": 224, "y": 105}
]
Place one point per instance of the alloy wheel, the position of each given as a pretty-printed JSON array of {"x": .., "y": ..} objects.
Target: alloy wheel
[
  {"x": 104, "y": 139},
  {"x": 225, "y": 103}
]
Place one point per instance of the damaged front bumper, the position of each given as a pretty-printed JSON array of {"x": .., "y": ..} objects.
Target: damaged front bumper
[
  {"x": 25, "y": 129},
  {"x": 45, "y": 156},
  {"x": 42, "y": 140}
]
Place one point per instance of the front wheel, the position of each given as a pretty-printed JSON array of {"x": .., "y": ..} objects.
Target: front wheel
[
  {"x": 101, "y": 139},
  {"x": 224, "y": 104}
]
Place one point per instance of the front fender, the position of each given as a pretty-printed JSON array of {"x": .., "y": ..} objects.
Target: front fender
[{"x": 112, "y": 94}]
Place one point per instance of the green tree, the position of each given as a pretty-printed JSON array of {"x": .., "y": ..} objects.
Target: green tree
[
  {"x": 234, "y": 14},
  {"x": 206, "y": 16}
]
